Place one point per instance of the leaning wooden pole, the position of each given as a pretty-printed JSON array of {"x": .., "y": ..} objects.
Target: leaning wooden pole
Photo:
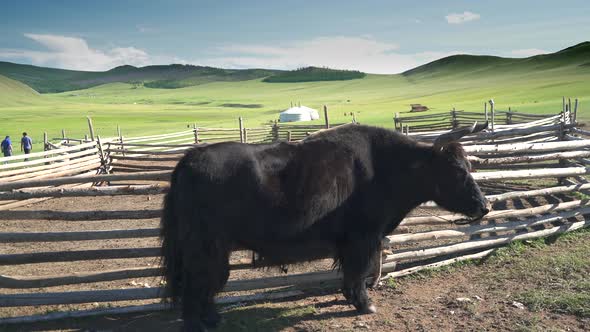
[
  {"x": 327, "y": 121},
  {"x": 90, "y": 128}
]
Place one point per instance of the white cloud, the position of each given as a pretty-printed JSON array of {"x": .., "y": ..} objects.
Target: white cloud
[
  {"x": 359, "y": 53},
  {"x": 527, "y": 52},
  {"x": 74, "y": 53},
  {"x": 144, "y": 28},
  {"x": 460, "y": 18}
]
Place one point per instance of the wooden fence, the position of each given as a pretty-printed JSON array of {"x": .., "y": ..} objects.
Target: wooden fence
[
  {"x": 505, "y": 160},
  {"x": 454, "y": 118}
]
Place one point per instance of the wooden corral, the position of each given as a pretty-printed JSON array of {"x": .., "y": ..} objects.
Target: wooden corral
[
  {"x": 550, "y": 149},
  {"x": 418, "y": 108}
]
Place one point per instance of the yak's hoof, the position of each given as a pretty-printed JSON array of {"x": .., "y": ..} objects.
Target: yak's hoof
[
  {"x": 365, "y": 310},
  {"x": 211, "y": 319},
  {"x": 372, "y": 282},
  {"x": 194, "y": 326},
  {"x": 347, "y": 295}
]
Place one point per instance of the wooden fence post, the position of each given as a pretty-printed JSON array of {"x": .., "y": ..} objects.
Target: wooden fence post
[
  {"x": 326, "y": 116},
  {"x": 396, "y": 120},
  {"x": 103, "y": 158},
  {"x": 509, "y": 116},
  {"x": 454, "y": 123},
  {"x": 275, "y": 132},
  {"x": 121, "y": 147},
  {"x": 485, "y": 110},
  {"x": 63, "y": 134},
  {"x": 568, "y": 112},
  {"x": 289, "y": 136},
  {"x": 575, "y": 111},
  {"x": 90, "y": 128},
  {"x": 45, "y": 142},
  {"x": 241, "y": 121},
  {"x": 353, "y": 118},
  {"x": 493, "y": 110},
  {"x": 196, "y": 132},
  {"x": 245, "y": 135}
]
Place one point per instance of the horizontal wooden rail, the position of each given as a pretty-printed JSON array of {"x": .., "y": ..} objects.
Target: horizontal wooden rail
[
  {"x": 547, "y": 208},
  {"x": 48, "y": 153},
  {"x": 536, "y": 192},
  {"x": 528, "y": 158},
  {"x": 76, "y": 166},
  {"x": 80, "y": 278},
  {"x": 78, "y": 255},
  {"x": 412, "y": 254},
  {"x": 157, "y": 137},
  {"x": 78, "y": 236},
  {"x": 155, "y": 145},
  {"x": 79, "y": 215},
  {"x": 528, "y": 147},
  {"x": 530, "y": 173},
  {"x": 152, "y": 189},
  {"x": 59, "y": 157},
  {"x": 266, "y": 296},
  {"x": 154, "y": 176},
  {"x": 480, "y": 229},
  {"x": 135, "y": 158},
  {"x": 145, "y": 152}
]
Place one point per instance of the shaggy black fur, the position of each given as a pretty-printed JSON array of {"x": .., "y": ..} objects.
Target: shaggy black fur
[{"x": 337, "y": 193}]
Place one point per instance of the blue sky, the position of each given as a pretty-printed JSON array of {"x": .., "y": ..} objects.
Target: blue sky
[{"x": 373, "y": 35}]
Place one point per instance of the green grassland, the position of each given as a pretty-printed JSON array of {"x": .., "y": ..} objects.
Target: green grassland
[{"x": 534, "y": 85}]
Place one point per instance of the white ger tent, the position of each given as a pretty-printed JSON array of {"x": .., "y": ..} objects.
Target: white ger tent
[{"x": 299, "y": 113}]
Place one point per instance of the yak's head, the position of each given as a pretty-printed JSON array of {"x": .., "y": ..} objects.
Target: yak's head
[{"x": 454, "y": 187}]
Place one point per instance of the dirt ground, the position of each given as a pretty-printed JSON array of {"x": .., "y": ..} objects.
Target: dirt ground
[
  {"x": 465, "y": 298},
  {"x": 461, "y": 299}
]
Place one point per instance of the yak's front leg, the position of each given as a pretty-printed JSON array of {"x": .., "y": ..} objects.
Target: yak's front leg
[{"x": 357, "y": 260}]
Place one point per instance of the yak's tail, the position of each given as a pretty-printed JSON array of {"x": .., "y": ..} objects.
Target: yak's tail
[{"x": 171, "y": 254}]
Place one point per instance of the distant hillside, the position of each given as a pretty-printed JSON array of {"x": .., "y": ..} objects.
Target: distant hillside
[
  {"x": 48, "y": 80},
  {"x": 453, "y": 68},
  {"x": 14, "y": 93},
  {"x": 575, "y": 56},
  {"x": 312, "y": 74}
]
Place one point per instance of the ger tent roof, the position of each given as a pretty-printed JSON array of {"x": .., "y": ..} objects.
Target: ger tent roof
[{"x": 299, "y": 113}]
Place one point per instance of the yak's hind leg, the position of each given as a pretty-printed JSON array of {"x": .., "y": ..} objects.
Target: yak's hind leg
[
  {"x": 357, "y": 259},
  {"x": 206, "y": 273},
  {"x": 375, "y": 269}
]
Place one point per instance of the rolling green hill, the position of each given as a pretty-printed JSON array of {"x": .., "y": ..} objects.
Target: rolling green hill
[
  {"x": 14, "y": 93},
  {"x": 50, "y": 80},
  {"x": 575, "y": 56}
]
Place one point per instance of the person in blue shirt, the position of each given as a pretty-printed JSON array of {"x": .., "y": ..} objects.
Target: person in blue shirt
[
  {"x": 26, "y": 144},
  {"x": 6, "y": 147}
]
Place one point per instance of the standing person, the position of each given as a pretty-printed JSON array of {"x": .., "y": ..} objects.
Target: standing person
[
  {"x": 26, "y": 144},
  {"x": 6, "y": 148}
]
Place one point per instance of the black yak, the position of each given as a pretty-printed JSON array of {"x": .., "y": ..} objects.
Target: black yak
[{"x": 335, "y": 194}]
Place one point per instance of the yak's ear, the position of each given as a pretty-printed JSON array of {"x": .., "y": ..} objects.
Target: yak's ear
[{"x": 456, "y": 134}]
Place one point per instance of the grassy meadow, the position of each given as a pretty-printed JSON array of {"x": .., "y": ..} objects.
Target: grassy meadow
[{"x": 464, "y": 82}]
